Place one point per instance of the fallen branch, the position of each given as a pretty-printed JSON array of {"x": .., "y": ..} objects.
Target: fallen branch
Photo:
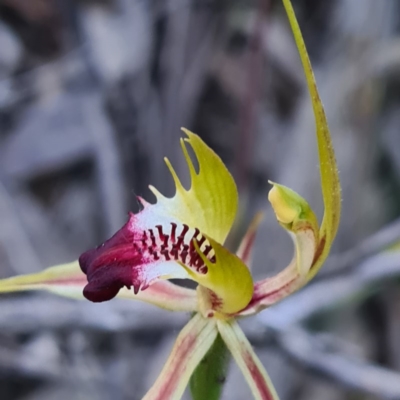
[
  {"x": 352, "y": 373},
  {"x": 330, "y": 293}
]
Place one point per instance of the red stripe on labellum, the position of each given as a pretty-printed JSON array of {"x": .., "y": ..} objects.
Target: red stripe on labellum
[{"x": 126, "y": 258}]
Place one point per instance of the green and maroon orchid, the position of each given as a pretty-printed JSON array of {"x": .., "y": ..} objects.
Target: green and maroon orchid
[{"x": 183, "y": 238}]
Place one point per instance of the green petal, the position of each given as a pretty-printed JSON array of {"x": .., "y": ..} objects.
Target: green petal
[
  {"x": 210, "y": 204},
  {"x": 312, "y": 244},
  {"x": 65, "y": 280},
  {"x": 68, "y": 280},
  {"x": 328, "y": 168}
]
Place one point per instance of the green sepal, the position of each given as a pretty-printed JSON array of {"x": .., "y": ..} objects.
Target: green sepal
[{"x": 330, "y": 183}]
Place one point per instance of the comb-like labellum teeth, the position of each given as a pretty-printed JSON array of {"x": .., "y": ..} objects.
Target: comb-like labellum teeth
[{"x": 137, "y": 258}]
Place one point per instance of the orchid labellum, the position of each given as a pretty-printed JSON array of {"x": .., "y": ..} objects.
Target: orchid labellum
[{"x": 183, "y": 238}]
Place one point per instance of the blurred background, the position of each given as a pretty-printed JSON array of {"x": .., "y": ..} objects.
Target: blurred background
[{"x": 92, "y": 96}]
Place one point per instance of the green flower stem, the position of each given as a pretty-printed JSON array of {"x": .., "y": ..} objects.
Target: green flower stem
[{"x": 209, "y": 377}]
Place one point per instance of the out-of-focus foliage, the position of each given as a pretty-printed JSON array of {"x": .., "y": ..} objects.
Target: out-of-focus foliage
[{"x": 92, "y": 96}]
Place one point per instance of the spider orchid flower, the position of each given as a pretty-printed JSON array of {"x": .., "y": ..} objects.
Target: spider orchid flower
[{"x": 183, "y": 238}]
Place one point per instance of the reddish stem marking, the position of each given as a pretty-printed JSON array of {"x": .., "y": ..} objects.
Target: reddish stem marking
[
  {"x": 257, "y": 377},
  {"x": 260, "y": 297},
  {"x": 65, "y": 281},
  {"x": 320, "y": 249},
  {"x": 177, "y": 367},
  {"x": 248, "y": 247}
]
